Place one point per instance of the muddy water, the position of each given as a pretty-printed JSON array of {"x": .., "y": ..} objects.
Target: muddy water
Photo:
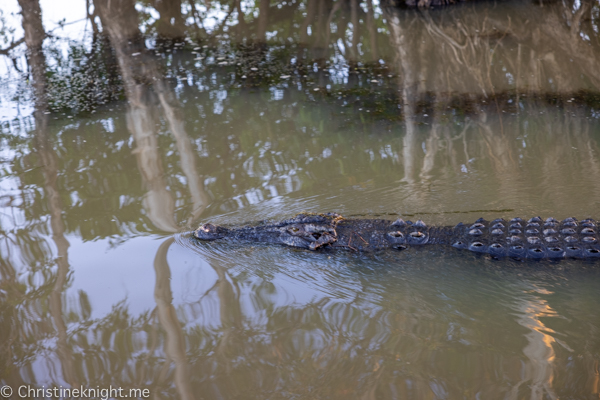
[{"x": 102, "y": 285}]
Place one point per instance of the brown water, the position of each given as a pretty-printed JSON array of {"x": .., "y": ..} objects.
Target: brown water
[{"x": 479, "y": 110}]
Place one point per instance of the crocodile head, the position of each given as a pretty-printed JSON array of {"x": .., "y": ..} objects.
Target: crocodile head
[
  {"x": 302, "y": 231},
  {"x": 211, "y": 232}
]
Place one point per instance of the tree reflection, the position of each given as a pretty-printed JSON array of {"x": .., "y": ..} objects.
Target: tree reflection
[
  {"x": 138, "y": 70},
  {"x": 175, "y": 346},
  {"x": 455, "y": 86},
  {"x": 56, "y": 282}
]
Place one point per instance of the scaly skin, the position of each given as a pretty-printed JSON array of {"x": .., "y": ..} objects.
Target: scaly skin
[{"x": 516, "y": 238}]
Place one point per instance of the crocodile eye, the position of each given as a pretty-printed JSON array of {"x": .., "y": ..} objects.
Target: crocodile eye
[
  {"x": 417, "y": 234},
  {"x": 396, "y": 234},
  {"x": 208, "y": 228}
]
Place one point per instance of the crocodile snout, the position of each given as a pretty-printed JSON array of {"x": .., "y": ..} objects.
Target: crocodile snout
[{"x": 210, "y": 232}]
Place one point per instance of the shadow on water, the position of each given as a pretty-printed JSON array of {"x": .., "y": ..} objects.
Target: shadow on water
[{"x": 167, "y": 113}]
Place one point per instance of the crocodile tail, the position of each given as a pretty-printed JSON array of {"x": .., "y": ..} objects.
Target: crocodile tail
[{"x": 532, "y": 239}]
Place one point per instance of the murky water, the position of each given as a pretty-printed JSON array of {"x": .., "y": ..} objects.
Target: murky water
[{"x": 110, "y": 158}]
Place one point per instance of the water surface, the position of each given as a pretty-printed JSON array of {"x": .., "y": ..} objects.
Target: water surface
[{"x": 486, "y": 109}]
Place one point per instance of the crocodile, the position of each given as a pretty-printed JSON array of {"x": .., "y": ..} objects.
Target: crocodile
[{"x": 517, "y": 238}]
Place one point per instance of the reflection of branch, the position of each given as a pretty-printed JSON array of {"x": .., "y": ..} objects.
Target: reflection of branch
[
  {"x": 335, "y": 9},
  {"x": 92, "y": 18},
  {"x": 222, "y": 26},
  {"x": 196, "y": 15},
  {"x": 462, "y": 52},
  {"x": 310, "y": 14},
  {"x": 7, "y": 50},
  {"x": 372, "y": 30},
  {"x": 62, "y": 25},
  {"x": 433, "y": 28},
  {"x": 354, "y": 19},
  {"x": 12, "y": 46}
]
